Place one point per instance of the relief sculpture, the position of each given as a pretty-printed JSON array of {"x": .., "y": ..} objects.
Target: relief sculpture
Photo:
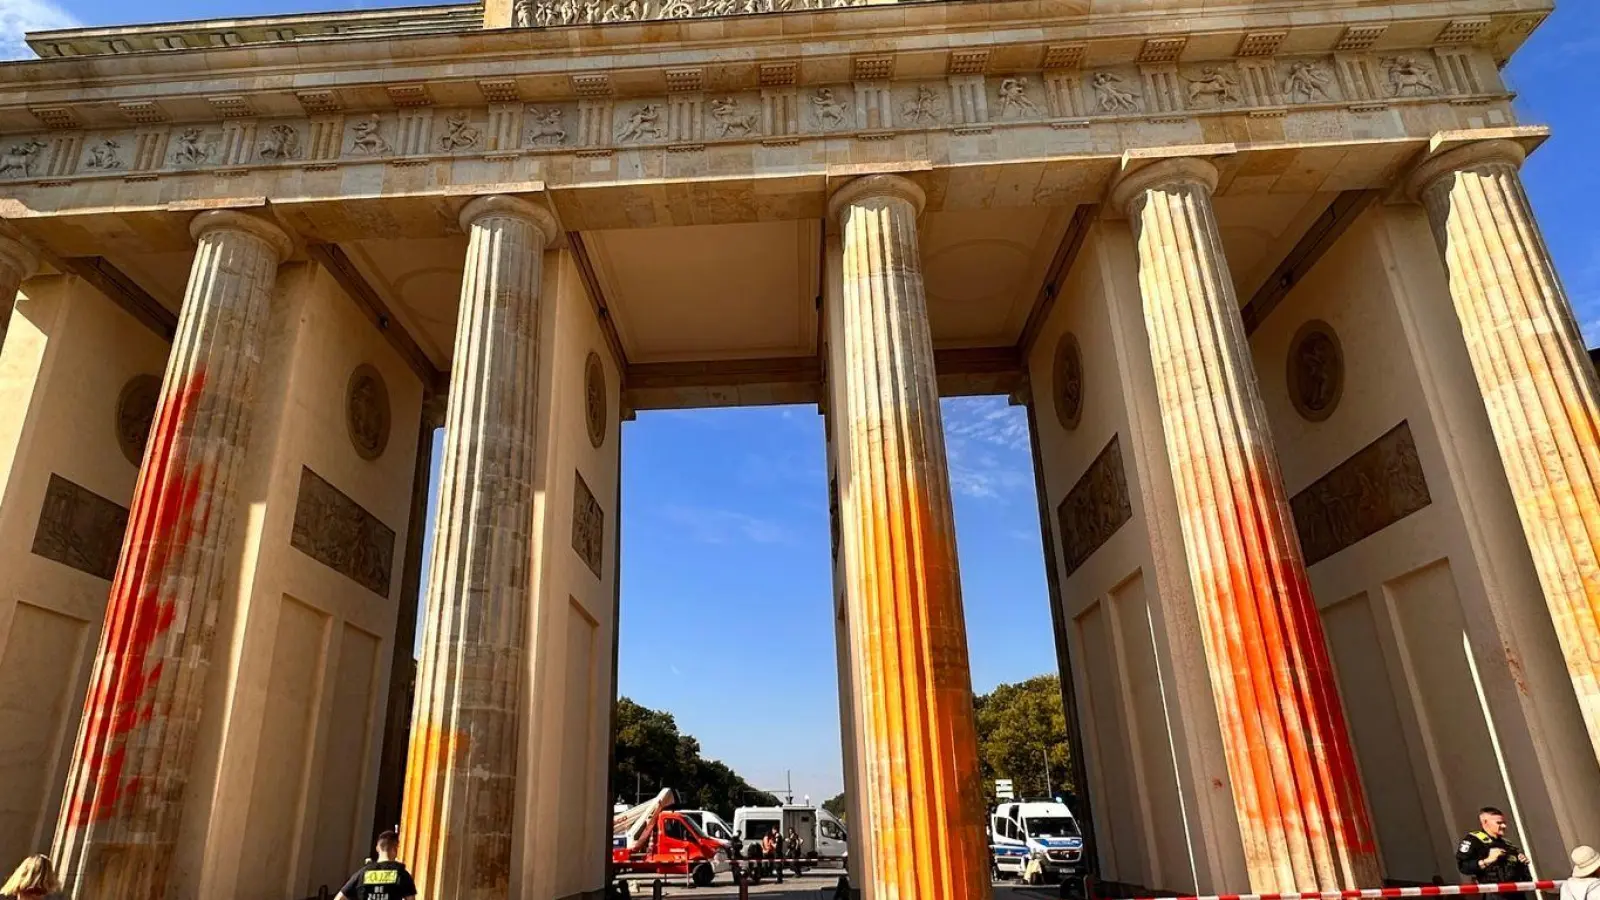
[
  {"x": 338, "y": 532},
  {"x": 588, "y": 526},
  {"x": 80, "y": 528},
  {"x": 1095, "y": 508},
  {"x": 1377, "y": 487}
]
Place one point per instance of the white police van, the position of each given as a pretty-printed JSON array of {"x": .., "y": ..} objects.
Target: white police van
[{"x": 1036, "y": 829}]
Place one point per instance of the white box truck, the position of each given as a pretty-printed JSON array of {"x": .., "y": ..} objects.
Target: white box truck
[{"x": 822, "y": 835}]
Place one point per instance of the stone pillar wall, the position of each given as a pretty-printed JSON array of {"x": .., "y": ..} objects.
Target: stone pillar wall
[
  {"x": 17, "y": 264},
  {"x": 457, "y": 822},
  {"x": 125, "y": 790},
  {"x": 1537, "y": 381},
  {"x": 908, "y": 649},
  {"x": 1302, "y": 813}
]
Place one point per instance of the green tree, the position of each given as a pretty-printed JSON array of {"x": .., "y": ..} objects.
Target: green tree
[
  {"x": 652, "y": 754},
  {"x": 836, "y": 805},
  {"x": 1020, "y": 727}
]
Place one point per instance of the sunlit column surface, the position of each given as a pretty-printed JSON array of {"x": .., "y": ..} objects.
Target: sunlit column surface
[
  {"x": 1300, "y": 807},
  {"x": 17, "y": 263},
  {"x": 1537, "y": 381},
  {"x": 130, "y": 768},
  {"x": 924, "y": 802},
  {"x": 460, "y": 789}
]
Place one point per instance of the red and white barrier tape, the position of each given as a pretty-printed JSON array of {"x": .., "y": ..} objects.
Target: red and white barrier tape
[{"x": 1431, "y": 890}]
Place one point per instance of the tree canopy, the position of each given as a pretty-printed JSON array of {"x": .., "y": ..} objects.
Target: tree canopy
[
  {"x": 652, "y": 754},
  {"x": 1020, "y": 726},
  {"x": 836, "y": 805}
]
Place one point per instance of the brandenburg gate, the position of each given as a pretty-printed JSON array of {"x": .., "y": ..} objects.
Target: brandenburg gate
[{"x": 1316, "y": 437}]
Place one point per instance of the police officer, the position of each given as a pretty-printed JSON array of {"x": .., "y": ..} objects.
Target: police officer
[
  {"x": 1488, "y": 858},
  {"x": 385, "y": 879}
]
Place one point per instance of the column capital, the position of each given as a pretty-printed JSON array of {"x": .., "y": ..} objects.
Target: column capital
[
  {"x": 873, "y": 187},
  {"x": 1168, "y": 173},
  {"x": 233, "y": 220},
  {"x": 16, "y": 255},
  {"x": 514, "y": 208},
  {"x": 1459, "y": 159}
]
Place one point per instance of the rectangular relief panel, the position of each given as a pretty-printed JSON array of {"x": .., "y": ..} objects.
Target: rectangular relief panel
[
  {"x": 1095, "y": 508},
  {"x": 288, "y": 716},
  {"x": 588, "y": 526},
  {"x": 80, "y": 528},
  {"x": 39, "y": 694},
  {"x": 338, "y": 532},
  {"x": 1377, "y": 487},
  {"x": 341, "y": 841},
  {"x": 1369, "y": 690}
]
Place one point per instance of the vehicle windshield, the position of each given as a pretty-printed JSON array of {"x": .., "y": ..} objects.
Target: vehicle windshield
[
  {"x": 1053, "y": 826},
  {"x": 694, "y": 827}
]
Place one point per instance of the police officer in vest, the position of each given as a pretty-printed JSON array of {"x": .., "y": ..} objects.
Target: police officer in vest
[{"x": 1487, "y": 857}]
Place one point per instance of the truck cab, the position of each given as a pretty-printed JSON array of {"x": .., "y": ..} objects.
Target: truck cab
[
  {"x": 1042, "y": 830},
  {"x": 712, "y": 825},
  {"x": 652, "y": 839}
]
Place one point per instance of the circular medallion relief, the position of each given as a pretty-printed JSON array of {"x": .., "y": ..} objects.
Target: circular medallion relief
[
  {"x": 136, "y": 413},
  {"x": 1068, "y": 386},
  {"x": 594, "y": 398},
  {"x": 366, "y": 412},
  {"x": 1316, "y": 370}
]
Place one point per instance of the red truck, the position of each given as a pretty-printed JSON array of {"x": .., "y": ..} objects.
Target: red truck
[{"x": 652, "y": 839}]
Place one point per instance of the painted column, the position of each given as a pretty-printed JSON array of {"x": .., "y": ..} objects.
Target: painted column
[
  {"x": 1537, "y": 382},
  {"x": 17, "y": 264},
  {"x": 457, "y": 820},
  {"x": 1301, "y": 810},
  {"x": 908, "y": 645},
  {"x": 125, "y": 790}
]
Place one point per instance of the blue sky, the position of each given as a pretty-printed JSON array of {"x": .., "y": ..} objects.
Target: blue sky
[{"x": 725, "y": 529}]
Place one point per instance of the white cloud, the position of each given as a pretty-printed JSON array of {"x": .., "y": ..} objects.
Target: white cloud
[
  {"x": 986, "y": 441},
  {"x": 723, "y": 526},
  {"x": 18, "y": 17}
]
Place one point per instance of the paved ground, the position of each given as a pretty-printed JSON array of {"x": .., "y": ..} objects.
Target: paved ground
[{"x": 811, "y": 886}]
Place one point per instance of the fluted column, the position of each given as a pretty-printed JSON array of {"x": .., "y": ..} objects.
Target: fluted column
[
  {"x": 461, "y": 772},
  {"x": 1537, "y": 382},
  {"x": 908, "y": 644},
  {"x": 17, "y": 264},
  {"x": 130, "y": 768},
  {"x": 1299, "y": 801}
]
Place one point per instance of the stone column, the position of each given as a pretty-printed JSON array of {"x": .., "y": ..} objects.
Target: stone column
[
  {"x": 1537, "y": 382},
  {"x": 17, "y": 264},
  {"x": 1300, "y": 807},
  {"x": 457, "y": 820},
  {"x": 908, "y": 645},
  {"x": 125, "y": 789}
]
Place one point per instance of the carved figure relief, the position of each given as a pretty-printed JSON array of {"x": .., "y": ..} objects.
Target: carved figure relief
[
  {"x": 1307, "y": 82},
  {"x": 136, "y": 412},
  {"x": 643, "y": 124},
  {"x": 1014, "y": 99},
  {"x": 1214, "y": 86},
  {"x": 730, "y": 121},
  {"x": 1067, "y": 382},
  {"x": 282, "y": 142},
  {"x": 191, "y": 150},
  {"x": 1112, "y": 96},
  {"x": 80, "y": 528},
  {"x": 367, "y": 141},
  {"x": 1409, "y": 78},
  {"x": 1377, "y": 487},
  {"x": 546, "y": 127},
  {"x": 522, "y": 14},
  {"x": 1316, "y": 370},
  {"x": 104, "y": 155},
  {"x": 19, "y": 159},
  {"x": 459, "y": 134},
  {"x": 588, "y": 526},
  {"x": 830, "y": 113},
  {"x": 1095, "y": 508},
  {"x": 366, "y": 411},
  {"x": 627, "y": 11},
  {"x": 338, "y": 532},
  {"x": 594, "y": 399},
  {"x": 924, "y": 110}
]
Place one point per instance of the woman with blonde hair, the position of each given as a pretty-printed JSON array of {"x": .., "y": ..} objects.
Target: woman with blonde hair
[{"x": 34, "y": 879}]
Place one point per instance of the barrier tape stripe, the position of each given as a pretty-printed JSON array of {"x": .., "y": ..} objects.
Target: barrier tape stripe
[{"x": 1431, "y": 890}]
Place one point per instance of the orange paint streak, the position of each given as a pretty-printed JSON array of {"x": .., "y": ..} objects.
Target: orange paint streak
[{"x": 434, "y": 753}]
